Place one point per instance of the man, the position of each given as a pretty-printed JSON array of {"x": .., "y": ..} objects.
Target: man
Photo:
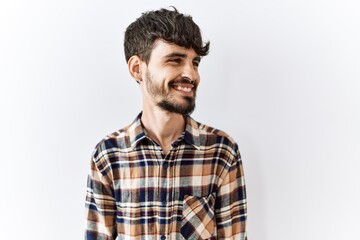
[{"x": 166, "y": 176}]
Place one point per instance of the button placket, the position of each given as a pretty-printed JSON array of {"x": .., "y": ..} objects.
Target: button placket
[
  {"x": 164, "y": 183},
  {"x": 164, "y": 190},
  {"x": 165, "y": 164}
]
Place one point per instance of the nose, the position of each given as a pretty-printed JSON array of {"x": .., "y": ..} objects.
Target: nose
[{"x": 190, "y": 72}]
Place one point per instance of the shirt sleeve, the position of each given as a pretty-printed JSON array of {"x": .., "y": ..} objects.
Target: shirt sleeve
[
  {"x": 231, "y": 205},
  {"x": 100, "y": 204}
]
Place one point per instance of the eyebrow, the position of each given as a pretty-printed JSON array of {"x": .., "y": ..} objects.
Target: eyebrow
[
  {"x": 181, "y": 55},
  {"x": 176, "y": 54}
]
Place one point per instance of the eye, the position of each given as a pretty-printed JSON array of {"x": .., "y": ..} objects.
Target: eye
[
  {"x": 175, "y": 60},
  {"x": 196, "y": 63}
]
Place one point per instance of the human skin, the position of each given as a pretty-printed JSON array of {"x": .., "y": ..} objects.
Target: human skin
[{"x": 168, "y": 63}]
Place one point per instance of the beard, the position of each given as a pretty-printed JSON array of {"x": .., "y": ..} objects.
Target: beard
[{"x": 166, "y": 101}]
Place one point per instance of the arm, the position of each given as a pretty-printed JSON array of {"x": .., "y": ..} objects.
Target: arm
[
  {"x": 100, "y": 204},
  {"x": 230, "y": 206}
]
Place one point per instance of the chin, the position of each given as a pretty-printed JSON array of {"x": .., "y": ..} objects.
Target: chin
[{"x": 183, "y": 109}]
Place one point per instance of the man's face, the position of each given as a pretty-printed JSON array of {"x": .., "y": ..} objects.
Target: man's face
[{"x": 171, "y": 77}]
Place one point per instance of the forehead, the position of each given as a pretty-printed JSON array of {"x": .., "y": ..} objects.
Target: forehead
[{"x": 162, "y": 49}]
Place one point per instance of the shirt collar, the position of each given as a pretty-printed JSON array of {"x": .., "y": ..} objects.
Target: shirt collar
[
  {"x": 137, "y": 132},
  {"x": 191, "y": 134}
]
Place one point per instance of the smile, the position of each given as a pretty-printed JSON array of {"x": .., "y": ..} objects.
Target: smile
[{"x": 181, "y": 88}]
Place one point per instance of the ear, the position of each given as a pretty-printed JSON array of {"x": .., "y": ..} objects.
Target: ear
[{"x": 134, "y": 66}]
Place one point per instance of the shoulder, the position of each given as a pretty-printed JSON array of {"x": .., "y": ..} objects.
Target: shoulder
[
  {"x": 117, "y": 141},
  {"x": 206, "y": 129},
  {"x": 211, "y": 137}
]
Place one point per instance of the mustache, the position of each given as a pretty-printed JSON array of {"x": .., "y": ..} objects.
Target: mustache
[{"x": 183, "y": 80}]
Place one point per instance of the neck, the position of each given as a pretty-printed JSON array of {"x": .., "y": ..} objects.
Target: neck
[{"x": 163, "y": 127}]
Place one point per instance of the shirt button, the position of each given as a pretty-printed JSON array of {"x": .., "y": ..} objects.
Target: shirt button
[
  {"x": 163, "y": 203},
  {"x": 165, "y": 164},
  {"x": 163, "y": 237}
]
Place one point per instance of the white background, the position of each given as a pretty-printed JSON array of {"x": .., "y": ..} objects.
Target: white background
[{"x": 282, "y": 78}]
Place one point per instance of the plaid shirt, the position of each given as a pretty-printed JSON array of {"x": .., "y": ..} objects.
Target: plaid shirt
[{"x": 196, "y": 191}]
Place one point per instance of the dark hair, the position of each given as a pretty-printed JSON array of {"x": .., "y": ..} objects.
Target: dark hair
[{"x": 169, "y": 25}]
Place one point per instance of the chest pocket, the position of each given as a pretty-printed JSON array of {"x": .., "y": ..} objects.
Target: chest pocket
[{"x": 198, "y": 220}]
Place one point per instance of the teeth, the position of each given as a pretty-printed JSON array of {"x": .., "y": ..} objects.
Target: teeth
[{"x": 185, "y": 89}]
